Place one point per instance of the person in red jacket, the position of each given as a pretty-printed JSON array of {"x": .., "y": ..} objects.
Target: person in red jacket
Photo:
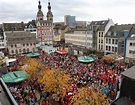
[{"x": 43, "y": 102}]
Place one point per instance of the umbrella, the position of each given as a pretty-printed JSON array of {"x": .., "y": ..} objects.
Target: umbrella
[{"x": 14, "y": 77}]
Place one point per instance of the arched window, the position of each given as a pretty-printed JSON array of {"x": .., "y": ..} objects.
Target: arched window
[
  {"x": 20, "y": 50},
  {"x": 16, "y": 51},
  {"x": 12, "y": 51},
  {"x": 27, "y": 49},
  {"x": 24, "y": 50}
]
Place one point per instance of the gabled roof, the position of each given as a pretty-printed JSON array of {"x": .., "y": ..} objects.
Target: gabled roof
[
  {"x": 114, "y": 30},
  {"x": 31, "y": 23},
  {"x": 13, "y": 26}
]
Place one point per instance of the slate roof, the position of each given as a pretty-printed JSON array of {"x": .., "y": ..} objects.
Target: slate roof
[
  {"x": 13, "y": 26},
  {"x": 33, "y": 23},
  {"x": 99, "y": 25},
  {"x": 114, "y": 30},
  {"x": 20, "y": 37},
  {"x": 132, "y": 33}
]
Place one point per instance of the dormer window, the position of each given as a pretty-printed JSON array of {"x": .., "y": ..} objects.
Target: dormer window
[
  {"x": 114, "y": 33},
  {"x": 109, "y": 33},
  {"x": 133, "y": 35}
]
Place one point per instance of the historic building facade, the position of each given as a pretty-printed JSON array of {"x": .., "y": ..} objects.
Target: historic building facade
[
  {"x": 44, "y": 27},
  {"x": 21, "y": 42}
]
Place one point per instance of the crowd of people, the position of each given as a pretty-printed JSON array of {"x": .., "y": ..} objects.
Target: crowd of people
[
  {"x": 98, "y": 75},
  {"x": 101, "y": 74}
]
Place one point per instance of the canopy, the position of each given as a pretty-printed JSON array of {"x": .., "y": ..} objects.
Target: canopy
[
  {"x": 85, "y": 59},
  {"x": 93, "y": 56},
  {"x": 14, "y": 77},
  {"x": 32, "y": 55},
  {"x": 129, "y": 73},
  {"x": 61, "y": 51}
]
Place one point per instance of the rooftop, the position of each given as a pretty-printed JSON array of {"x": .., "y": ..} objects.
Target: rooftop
[{"x": 5, "y": 96}]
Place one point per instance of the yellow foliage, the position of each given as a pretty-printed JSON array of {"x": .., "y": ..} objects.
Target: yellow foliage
[
  {"x": 55, "y": 80},
  {"x": 86, "y": 96},
  {"x": 31, "y": 66},
  {"x": 108, "y": 58}
]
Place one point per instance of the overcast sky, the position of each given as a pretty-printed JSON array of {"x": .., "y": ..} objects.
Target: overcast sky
[{"x": 120, "y": 11}]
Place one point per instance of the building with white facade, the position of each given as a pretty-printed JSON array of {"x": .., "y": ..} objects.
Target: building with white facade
[
  {"x": 130, "y": 47},
  {"x": 80, "y": 38},
  {"x": 2, "y": 41},
  {"x": 115, "y": 39}
]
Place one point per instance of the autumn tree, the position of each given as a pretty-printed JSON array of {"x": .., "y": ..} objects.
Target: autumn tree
[
  {"x": 55, "y": 80},
  {"x": 86, "y": 96},
  {"x": 32, "y": 66},
  {"x": 108, "y": 58}
]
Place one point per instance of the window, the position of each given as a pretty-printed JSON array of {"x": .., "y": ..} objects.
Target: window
[
  {"x": 116, "y": 41},
  {"x": 109, "y": 48},
  {"x": 99, "y": 34},
  {"x": 112, "y": 49},
  {"x": 27, "y": 44},
  {"x": 106, "y": 40},
  {"x": 24, "y": 51},
  {"x": 102, "y": 34},
  {"x": 109, "y": 41},
  {"x": 11, "y": 46},
  {"x": 15, "y": 45},
  {"x": 23, "y": 44},
  {"x": 27, "y": 49},
  {"x": 20, "y": 50},
  {"x": 101, "y": 47},
  {"x": 109, "y": 33},
  {"x": 106, "y": 47},
  {"x": 132, "y": 44},
  {"x": 12, "y": 51},
  {"x": 112, "y": 41},
  {"x": 31, "y": 44},
  {"x": 102, "y": 41},
  {"x": 115, "y": 49},
  {"x": 16, "y": 51}
]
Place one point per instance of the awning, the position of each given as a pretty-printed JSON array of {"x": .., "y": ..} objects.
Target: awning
[
  {"x": 32, "y": 55},
  {"x": 85, "y": 59},
  {"x": 62, "y": 51},
  {"x": 14, "y": 77}
]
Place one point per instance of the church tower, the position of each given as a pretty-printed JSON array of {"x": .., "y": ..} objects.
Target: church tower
[
  {"x": 40, "y": 15},
  {"x": 49, "y": 13}
]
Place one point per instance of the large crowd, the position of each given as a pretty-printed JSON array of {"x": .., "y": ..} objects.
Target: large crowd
[{"x": 100, "y": 74}]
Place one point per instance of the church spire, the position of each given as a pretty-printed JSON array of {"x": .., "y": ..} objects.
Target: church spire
[
  {"x": 39, "y": 6},
  {"x": 49, "y": 6},
  {"x": 40, "y": 15},
  {"x": 49, "y": 13}
]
